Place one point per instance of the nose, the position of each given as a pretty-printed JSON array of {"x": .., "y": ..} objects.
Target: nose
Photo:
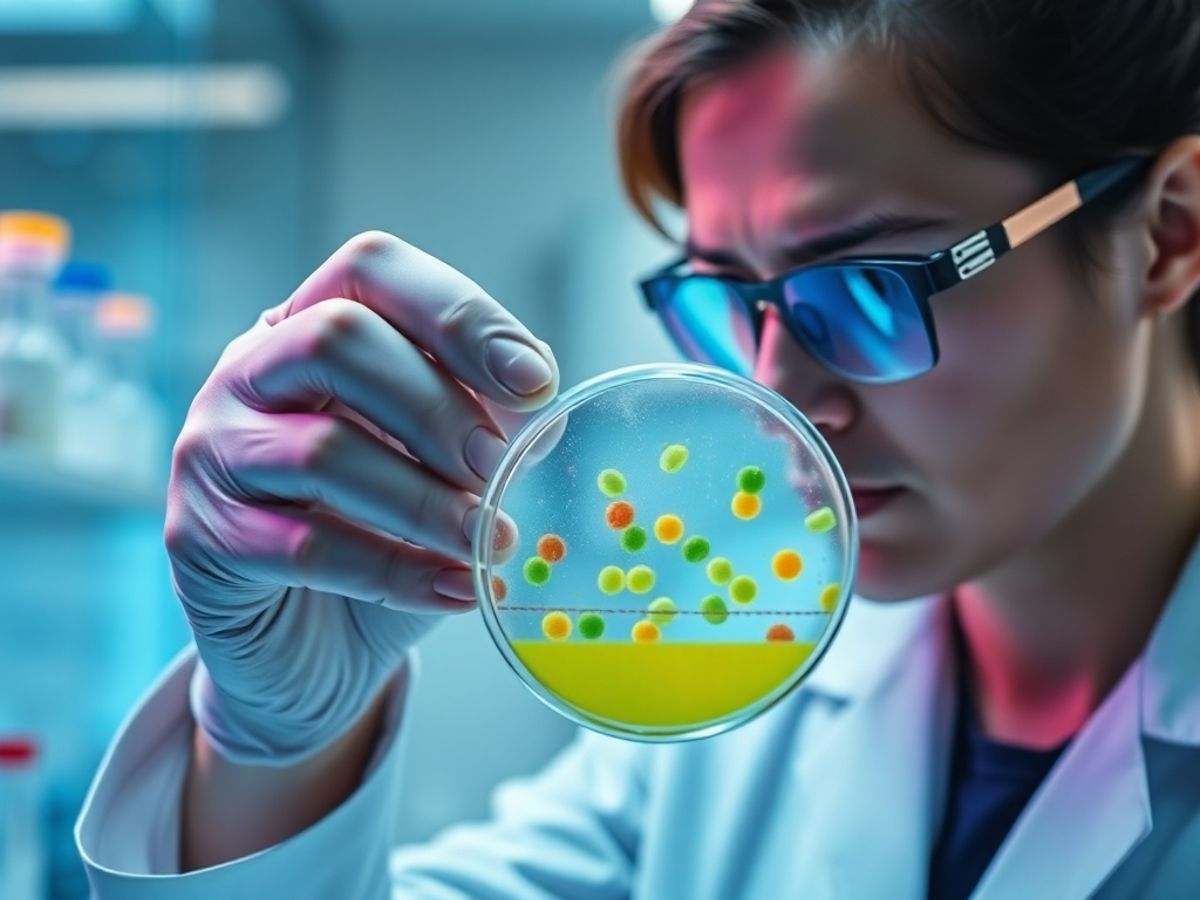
[{"x": 787, "y": 367}]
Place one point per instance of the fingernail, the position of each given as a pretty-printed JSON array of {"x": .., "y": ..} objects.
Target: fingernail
[
  {"x": 502, "y": 532},
  {"x": 483, "y": 451},
  {"x": 456, "y": 584},
  {"x": 469, "y": 523},
  {"x": 517, "y": 366}
]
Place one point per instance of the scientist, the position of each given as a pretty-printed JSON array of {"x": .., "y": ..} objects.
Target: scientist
[{"x": 1012, "y": 708}]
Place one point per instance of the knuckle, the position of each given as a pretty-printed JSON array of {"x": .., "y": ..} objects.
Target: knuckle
[
  {"x": 460, "y": 320},
  {"x": 325, "y": 441},
  {"x": 439, "y": 413},
  {"x": 425, "y": 511},
  {"x": 372, "y": 242},
  {"x": 178, "y": 536},
  {"x": 396, "y": 573},
  {"x": 303, "y": 547},
  {"x": 338, "y": 322},
  {"x": 365, "y": 250},
  {"x": 188, "y": 445}
]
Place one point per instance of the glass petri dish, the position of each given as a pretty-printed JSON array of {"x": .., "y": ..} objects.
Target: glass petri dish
[{"x": 681, "y": 546}]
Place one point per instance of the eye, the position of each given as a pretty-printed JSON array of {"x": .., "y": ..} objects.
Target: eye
[{"x": 812, "y": 323}]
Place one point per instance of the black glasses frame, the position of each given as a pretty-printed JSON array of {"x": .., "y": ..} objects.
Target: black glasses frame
[{"x": 924, "y": 275}]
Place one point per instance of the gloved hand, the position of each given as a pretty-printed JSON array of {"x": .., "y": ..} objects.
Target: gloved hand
[{"x": 320, "y": 506}]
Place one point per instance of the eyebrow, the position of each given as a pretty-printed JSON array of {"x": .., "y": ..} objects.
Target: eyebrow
[{"x": 876, "y": 226}]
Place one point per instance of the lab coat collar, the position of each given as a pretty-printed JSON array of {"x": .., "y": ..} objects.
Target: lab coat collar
[
  {"x": 888, "y": 754},
  {"x": 869, "y": 786},
  {"x": 890, "y": 630},
  {"x": 876, "y": 781},
  {"x": 1170, "y": 688}
]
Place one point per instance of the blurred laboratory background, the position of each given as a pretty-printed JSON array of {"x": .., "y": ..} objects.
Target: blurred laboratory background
[{"x": 168, "y": 168}]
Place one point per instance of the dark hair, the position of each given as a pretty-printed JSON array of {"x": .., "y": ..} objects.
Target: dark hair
[{"x": 1066, "y": 84}]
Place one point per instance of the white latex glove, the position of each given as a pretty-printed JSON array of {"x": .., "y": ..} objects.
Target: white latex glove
[{"x": 319, "y": 513}]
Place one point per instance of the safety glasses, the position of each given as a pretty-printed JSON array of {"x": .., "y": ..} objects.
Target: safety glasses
[{"x": 865, "y": 318}]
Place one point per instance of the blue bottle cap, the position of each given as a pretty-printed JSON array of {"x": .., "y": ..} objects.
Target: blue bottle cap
[{"x": 84, "y": 276}]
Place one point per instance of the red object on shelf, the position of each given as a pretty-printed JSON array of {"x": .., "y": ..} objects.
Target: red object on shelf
[{"x": 17, "y": 751}]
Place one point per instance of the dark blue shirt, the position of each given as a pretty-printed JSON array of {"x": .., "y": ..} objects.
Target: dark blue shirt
[{"x": 990, "y": 783}]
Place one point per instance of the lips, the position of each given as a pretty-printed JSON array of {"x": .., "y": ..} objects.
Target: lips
[{"x": 869, "y": 500}]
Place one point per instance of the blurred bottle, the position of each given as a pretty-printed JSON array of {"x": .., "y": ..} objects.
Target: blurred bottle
[
  {"x": 32, "y": 354},
  {"x": 134, "y": 436},
  {"x": 76, "y": 294},
  {"x": 22, "y": 858}
]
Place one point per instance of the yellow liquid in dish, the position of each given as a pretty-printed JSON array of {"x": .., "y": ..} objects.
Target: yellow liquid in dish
[{"x": 662, "y": 684}]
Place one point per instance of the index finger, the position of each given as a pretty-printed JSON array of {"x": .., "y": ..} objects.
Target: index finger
[{"x": 440, "y": 310}]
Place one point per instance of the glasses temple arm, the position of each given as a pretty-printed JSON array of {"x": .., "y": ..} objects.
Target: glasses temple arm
[{"x": 976, "y": 252}]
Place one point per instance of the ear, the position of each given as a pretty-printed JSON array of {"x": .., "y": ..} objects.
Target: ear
[{"x": 1172, "y": 219}]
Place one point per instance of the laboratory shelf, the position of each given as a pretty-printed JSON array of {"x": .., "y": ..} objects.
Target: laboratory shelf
[{"x": 35, "y": 488}]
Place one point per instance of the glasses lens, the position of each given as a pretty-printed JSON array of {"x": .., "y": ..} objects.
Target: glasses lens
[
  {"x": 862, "y": 320},
  {"x": 708, "y": 322}
]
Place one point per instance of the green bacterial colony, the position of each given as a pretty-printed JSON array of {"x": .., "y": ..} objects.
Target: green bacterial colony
[{"x": 669, "y": 528}]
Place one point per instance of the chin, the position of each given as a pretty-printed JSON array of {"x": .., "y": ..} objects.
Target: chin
[{"x": 889, "y": 573}]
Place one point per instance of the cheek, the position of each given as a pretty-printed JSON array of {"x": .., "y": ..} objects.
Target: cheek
[{"x": 1034, "y": 396}]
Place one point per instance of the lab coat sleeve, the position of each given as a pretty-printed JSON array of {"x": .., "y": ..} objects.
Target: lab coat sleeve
[
  {"x": 128, "y": 830},
  {"x": 572, "y": 830},
  {"x": 569, "y": 831}
]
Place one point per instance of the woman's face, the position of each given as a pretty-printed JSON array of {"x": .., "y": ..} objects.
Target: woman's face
[{"x": 1041, "y": 375}]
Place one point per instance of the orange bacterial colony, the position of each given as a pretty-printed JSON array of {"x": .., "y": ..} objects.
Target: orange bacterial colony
[
  {"x": 787, "y": 565},
  {"x": 780, "y": 632},
  {"x": 645, "y": 632},
  {"x": 556, "y": 626},
  {"x": 551, "y": 548},
  {"x": 619, "y": 514}
]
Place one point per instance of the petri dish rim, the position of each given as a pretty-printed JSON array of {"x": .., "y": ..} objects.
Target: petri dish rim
[{"x": 585, "y": 391}]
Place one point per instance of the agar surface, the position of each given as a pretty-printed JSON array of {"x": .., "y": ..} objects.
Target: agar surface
[{"x": 663, "y": 671}]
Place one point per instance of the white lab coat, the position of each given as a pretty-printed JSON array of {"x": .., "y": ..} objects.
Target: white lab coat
[{"x": 835, "y": 793}]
